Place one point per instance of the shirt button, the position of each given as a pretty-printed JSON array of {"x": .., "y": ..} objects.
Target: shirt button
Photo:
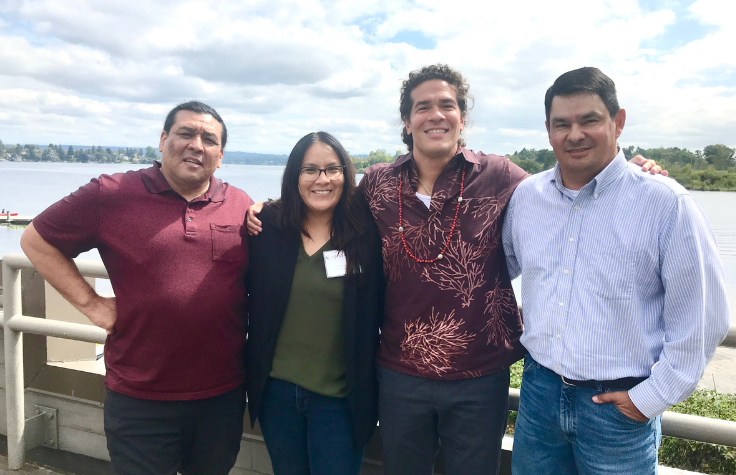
[
  {"x": 577, "y": 207},
  {"x": 189, "y": 219},
  {"x": 562, "y": 304},
  {"x": 571, "y": 239},
  {"x": 595, "y": 195},
  {"x": 567, "y": 271},
  {"x": 557, "y": 366},
  {"x": 558, "y": 335}
]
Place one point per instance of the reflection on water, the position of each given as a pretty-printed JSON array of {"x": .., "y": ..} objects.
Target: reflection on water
[{"x": 29, "y": 188}]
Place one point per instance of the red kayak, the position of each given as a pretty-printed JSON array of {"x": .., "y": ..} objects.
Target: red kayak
[{"x": 9, "y": 213}]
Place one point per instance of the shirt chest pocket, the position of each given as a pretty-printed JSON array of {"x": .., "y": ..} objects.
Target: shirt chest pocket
[
  {"x": 227, "y": 243},
  {"x": 611, "y": 272}
]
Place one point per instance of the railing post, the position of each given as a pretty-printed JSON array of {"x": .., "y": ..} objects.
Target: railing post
[{"x": 13, "y": 305}]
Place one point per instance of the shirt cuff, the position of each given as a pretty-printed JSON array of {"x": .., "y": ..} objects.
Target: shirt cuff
[{"x": 646, "y": 399}]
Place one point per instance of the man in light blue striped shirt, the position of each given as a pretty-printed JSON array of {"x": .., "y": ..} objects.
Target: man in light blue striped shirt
[{"x": 623, "y": 291}]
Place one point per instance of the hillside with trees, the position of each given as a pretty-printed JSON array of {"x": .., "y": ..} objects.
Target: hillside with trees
[
  {"x": 77, "y": 154},
  {"x": 710, "y": 169}
]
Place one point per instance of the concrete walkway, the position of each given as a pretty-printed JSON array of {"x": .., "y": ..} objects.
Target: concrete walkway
[
  {"x": 721, "y": 372},
  {"x": 29, "y": 468}
]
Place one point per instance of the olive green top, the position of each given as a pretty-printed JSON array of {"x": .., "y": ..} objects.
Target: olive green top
[{"x": 310, "y": 347}]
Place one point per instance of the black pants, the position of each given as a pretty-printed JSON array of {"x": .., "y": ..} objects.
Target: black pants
[
  {"x": 465, "y": 417},
  {"x": 200, "y": 437}
]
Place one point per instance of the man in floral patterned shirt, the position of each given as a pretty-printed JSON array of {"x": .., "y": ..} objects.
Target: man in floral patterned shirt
[{"x": 452, "y": 326}]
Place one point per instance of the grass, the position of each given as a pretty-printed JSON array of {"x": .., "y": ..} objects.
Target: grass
[
  {"x": 680, "y": 453},
  {"x": 14, "y": 226},
  {"x": 699, "y": 456},
  {"x": 516, "y": 371}
]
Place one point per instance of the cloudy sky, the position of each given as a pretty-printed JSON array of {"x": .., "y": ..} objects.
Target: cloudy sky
[{"x": 106, "y": 72}]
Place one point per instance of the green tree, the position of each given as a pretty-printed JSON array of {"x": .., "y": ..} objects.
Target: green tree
[
  {"x": 151, "y": 153},
  {"x": 379, "y": 156},
  {"x": 546, "y": 158},
  {"x": 720, "y": 156},
  {"x": 2, "y": 146}
]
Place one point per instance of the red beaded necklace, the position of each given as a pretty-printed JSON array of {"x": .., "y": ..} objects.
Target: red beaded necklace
[{"x": 452, "y": 228}]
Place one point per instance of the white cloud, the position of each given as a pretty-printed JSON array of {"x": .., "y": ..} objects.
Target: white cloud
[{"x": 86, "y": 71}]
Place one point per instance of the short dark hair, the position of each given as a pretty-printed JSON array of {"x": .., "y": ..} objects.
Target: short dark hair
[
  {"x": 588, "y": 79},
  {"x": 199, "y": 108},
  {"x": 348, "y": 220},
  {"x": 442, "y": 72}
]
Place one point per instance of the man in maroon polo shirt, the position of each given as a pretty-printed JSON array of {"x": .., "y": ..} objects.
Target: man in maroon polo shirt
[{"x": 173, "y": 242}]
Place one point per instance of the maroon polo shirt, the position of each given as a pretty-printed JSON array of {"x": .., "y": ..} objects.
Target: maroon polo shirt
[
  {"x": 456, "y": 317},
  {"x": 177, "y": 270}
]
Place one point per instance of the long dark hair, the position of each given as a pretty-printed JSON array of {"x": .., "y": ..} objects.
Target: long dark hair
[{"x": 350, "y": 220}]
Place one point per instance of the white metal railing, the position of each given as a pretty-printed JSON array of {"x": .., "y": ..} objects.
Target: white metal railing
[
  {"x": 701, "y": 429},
  {"x": 15, "y": 324}
]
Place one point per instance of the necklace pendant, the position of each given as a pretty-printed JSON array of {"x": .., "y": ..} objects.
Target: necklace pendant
[
  {"x": 401, "y": 229},
  {"x": 440, "y": 256},
  {"x": 459, "y": 199}
]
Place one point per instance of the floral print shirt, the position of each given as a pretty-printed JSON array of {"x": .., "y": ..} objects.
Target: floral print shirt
[{"x": 456, "y": 317}]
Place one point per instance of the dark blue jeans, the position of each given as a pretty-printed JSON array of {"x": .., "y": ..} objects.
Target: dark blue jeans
[
  {"x": 561, "y": 431},
  {"x": 307, "y": 433},
  {"x": 465, "y": 417}
]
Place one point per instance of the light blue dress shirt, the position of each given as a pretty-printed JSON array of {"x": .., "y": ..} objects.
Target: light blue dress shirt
[{"x": 622, "y": 280}]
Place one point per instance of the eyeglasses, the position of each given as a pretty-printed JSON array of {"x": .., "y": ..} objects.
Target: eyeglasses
[{"x": 313, "y": 173}]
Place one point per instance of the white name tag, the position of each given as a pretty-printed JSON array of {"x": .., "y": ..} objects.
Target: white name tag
[{"x": 335, "y": 263}]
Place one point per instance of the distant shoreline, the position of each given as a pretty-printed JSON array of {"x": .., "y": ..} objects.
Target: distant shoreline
[{"x": 683, "y": 180}]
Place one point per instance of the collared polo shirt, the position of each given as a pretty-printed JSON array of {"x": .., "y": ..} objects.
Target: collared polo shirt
[
  {"x": 177, "y": 270},
  {"x": 456, "y": 317}
]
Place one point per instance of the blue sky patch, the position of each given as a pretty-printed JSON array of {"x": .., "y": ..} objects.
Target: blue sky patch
[
  {"x": 712, "y": 77},
  {"x": 684, "y": 30},
  {"x": 416, "y": 39},
  {"x": 368, "y": 24}
]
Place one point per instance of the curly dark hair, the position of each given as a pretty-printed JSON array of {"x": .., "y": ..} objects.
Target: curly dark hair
[{"x": 442, "y": 72}]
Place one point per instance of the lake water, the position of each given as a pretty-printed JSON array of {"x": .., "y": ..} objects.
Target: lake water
[{"x": 28, "y": 188}]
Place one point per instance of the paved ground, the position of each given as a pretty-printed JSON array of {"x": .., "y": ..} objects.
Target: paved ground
[
  {"x": 4, "y": 470},
  {"x": 721, "y": 372}
]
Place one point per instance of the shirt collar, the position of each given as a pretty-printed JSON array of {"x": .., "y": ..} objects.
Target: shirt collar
[
  {"x": 601, "y": 181},
  {"x": 155, "y": 182},
  {"x": 467, "y": 154}
]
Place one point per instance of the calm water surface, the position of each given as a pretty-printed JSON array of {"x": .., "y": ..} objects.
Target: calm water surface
[{"x": 29, "y": 188}]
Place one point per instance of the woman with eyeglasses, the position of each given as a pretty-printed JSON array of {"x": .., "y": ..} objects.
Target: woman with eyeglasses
[{"x": 315, "y": 305}]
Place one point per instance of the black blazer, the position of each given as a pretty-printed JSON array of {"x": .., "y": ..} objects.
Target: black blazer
[{"x": 273, "y": 255}]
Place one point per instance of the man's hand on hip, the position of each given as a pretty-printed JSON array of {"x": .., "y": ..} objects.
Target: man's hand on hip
[
  {"x": 623, "y": 402},
  {"x": 102, "y": 311}
]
